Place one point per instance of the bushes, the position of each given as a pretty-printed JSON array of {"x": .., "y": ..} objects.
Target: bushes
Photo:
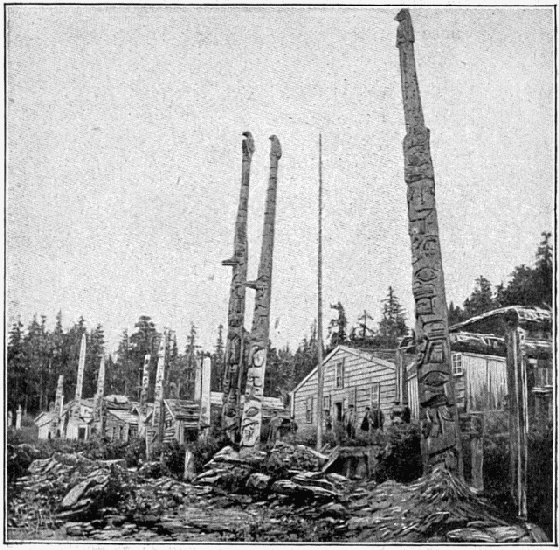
[
  {"x": 540, "y": 475},
  {"x": 541, "y": 505},
  {"x": 403, "y": 455}
]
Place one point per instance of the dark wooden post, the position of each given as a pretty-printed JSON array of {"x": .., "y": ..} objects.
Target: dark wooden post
[
  {"x": 477, "y": 421},
  {"x": 230, "y": 416},
  {"x": 260, "y": 333},
  {"x": 438, "y": 413},
  {"x": 518, "y": 411},
  {"x": 398, "y": 408}
]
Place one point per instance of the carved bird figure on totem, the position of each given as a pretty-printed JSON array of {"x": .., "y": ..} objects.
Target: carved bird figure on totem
[
  {"x": 276, "y": 146},
  {"x": 249, "y": 142}
]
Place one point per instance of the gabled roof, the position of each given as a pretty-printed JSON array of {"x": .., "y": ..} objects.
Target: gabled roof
[
  {"x": 268, "y": 402},
  {"x": 44, "y": 417},
  {"x": 532, "y": 314},
  {"x": 181, "y": 409},
  {"x": 124, "y": 416},
  {"x": 365, "y": 354}
]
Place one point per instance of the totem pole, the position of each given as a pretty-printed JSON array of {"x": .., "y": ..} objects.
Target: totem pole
[
  {"x": 18, "y": 417},
  {"x": 158, "y": 416},
  {"x": 99, "y": 409},
  {"x": 76, "y": 410},
  {"x": 260, "y": 333},
  {"x": 143, "y": 398},
  {"x": 236, "y": 313},
  {"x": 55, "y": 423},
  {"x": 440, "y": 442}
]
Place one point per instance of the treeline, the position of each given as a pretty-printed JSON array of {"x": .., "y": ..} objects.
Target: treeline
[
  {"x": 37, "y": 356},
  {"x": 528, "y": 286}
]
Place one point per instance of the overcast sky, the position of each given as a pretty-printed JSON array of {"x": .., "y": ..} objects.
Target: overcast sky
[{"x": 124, "y": 156}]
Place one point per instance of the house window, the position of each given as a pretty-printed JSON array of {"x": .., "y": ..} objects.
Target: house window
[
  {"x": 121, "y": 432},
  {"x": 457, "y": 368},
  {"x": 308, "y": 411},
  {"x": 326, "y": 405},
  {"x": 340, "y": 374}
]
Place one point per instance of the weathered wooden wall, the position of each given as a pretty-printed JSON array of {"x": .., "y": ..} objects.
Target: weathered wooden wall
[{"x": 481, "y": 387}]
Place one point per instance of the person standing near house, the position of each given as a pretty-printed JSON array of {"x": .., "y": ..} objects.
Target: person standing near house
[
  {"x": 377, "y": 419},
  {"x": 275, "y": 423},
  {"x": 327, "y": 420},
  {"x": 349, "y": 421},
  {"x": 366, "y": 422}
]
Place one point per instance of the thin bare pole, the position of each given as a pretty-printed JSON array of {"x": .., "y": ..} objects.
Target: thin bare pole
[{"x": 320, "y": 396}]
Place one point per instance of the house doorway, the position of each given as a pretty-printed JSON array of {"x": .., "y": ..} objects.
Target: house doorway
[{"x": 338, "y": 412}]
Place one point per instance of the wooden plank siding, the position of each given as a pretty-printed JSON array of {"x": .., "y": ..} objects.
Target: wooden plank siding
[
  {"x": 480, "y": 387},
  {"x": 360, "y": 371}
]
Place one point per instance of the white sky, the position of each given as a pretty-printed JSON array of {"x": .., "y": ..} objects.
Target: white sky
[{"x": 124, "y": 155}]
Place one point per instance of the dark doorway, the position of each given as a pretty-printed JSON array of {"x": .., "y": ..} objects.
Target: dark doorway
[{"x": 338, "y": 412}]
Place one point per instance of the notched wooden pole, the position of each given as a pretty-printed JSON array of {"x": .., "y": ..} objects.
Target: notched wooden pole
[
  {"x": 440, "y": 442},
  {"x": 234, "y": 353},
  {"x": 260, "y": 333}
]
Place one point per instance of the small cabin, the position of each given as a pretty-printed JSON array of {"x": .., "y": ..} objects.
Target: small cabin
[
  {"x": 77, "y": 423},
  {"x": 182, "y": 419},
  {"x": 43, "y": 422},
  {"x": 120, "y": 424},
  {"x": 360, "y": 377}
]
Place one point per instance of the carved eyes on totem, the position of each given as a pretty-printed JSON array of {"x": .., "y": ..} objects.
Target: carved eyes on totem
[{"x": 258, "y": 358}]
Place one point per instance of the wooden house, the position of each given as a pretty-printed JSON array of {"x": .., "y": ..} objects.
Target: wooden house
[
  {"x": 479, "y": 366},
  {"x": 120, "y": 424},
  {"x": 77, "y": 419},
  {"x": 43, "y": 422},
  {"x": 182, "y": 419},
  {"x": 480, "y": 383},
  {"x": 361, "y": 377}
]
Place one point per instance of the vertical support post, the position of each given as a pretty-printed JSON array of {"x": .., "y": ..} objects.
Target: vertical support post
[
  {"x": 476, "y": 448},
  {"x": 260, "y": 334},
  {"x": 236, "y": 311},
  {"x": 518, "y": 412},
  {"x": 440, "y": 442},
  {"x": 320, "y": 373},
  {"x": 398, "y": 407}
]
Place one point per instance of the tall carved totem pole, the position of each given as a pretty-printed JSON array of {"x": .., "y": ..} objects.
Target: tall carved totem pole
[
  {"x": 143, "y": 397},
  {"x": 440, "y": 442},
  {"x": 56, "y": 422},
  {"x": 158, "y": 415},
  {"x": 230, "y": 419},
  {"x": 99, "y": 408},
  {"x": 260, "y": 333}
]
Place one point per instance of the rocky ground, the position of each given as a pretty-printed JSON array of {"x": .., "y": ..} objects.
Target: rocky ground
[{"x": 281, "y": 496}]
